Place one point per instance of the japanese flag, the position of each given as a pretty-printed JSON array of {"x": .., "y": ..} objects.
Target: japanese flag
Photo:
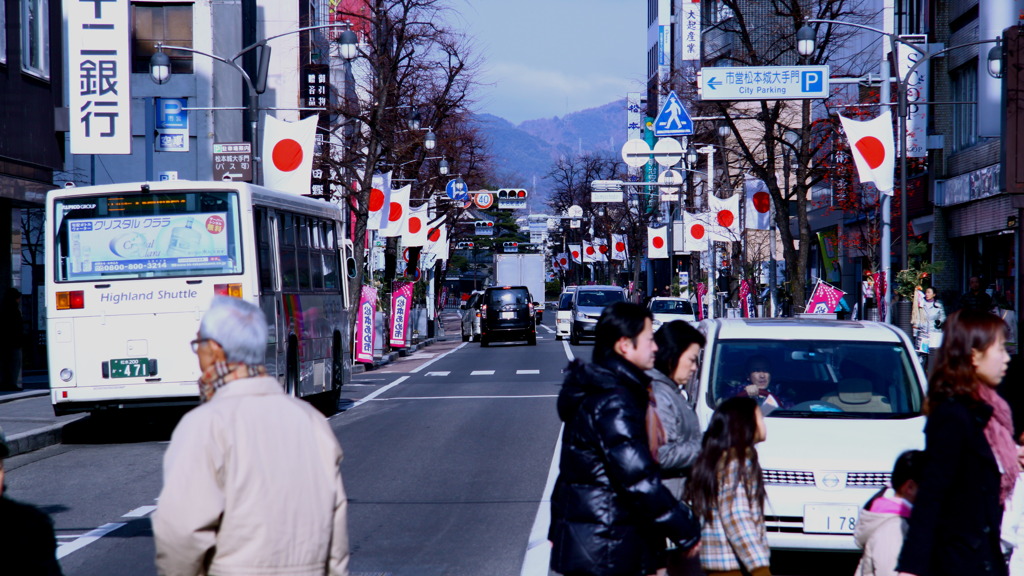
[
  {"x": 657, "y": 242},
  {"x": 873, "y": 150},
  {"x": 562, "y": 261},
  {"x": 415, "y": 233},
  {"x": 397, "y": 212},
  {"x": 437, "y": 240},
  {"x": 590, "y": 252},
  {"x": 379, "y": 202},
  {"x": 725, "y": 215},
  {"x": 695, "y": 233},
  {"x": 288, "y": 154},
  {"x": 576, "y": 252},
  {"x": 601, "y": 249},
  {"x": 620, "y": 248},
  {"x": 759, "y": 204}
]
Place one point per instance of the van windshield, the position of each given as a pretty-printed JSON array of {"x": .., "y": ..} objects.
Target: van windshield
[
  {"x": 820, "y": 379},
  {"x": 565, "y": 301},
  {"x": 598, "y": 298},
  {"x": 515, "y": 296},
  {"x": 671, "y": 307}
]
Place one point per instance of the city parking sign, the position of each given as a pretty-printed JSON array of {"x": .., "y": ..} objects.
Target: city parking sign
[{"x": 764, "y": 83}]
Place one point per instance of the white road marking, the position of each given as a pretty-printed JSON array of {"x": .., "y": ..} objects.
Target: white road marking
[
  {"x": 422, "y": 355},
  {"x": 425, "y": 364},
  {"x": 354, "y": 385},
  {"x": 482, "y": 373},
  {"x": 140, "y": 512},
  {"x": 88, "y": 538},
  {"x": 444, "y": 373},
  {"x": 470, "y": 397},
  {"x": 548, "y": 329},
  {"x": 376, "y": 393},
  {"x": 527, "y": 371},
  {"x": 538, "y": 549}
]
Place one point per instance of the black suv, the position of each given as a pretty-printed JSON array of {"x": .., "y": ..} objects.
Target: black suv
[{"x": 506, "y": 313}]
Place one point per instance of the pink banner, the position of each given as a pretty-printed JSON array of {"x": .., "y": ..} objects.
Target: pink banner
[
  {"x": 880, "y": 287},
  {"x": 746, "y": 301},
  {"x": 401, "y": 303},
  {"x": 701, "y": 291},
  {"x": 364, "y": 329},
  {"x": 824, "y": 299}
]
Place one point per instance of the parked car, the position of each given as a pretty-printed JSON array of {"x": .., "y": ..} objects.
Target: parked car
[
  {"x": 471, "y": 317},
  {"x": 850, "y": 398},
  {"x": 507, "y": 313},
  {"x": 563, "y": 313},
  {"x": 667, "y": 309},
  {"x": 586, "y": 309}
]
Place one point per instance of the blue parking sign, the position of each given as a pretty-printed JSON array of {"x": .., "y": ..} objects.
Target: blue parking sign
[
  {"x": 812, "y": 81},
  {"x": 171, "y": 113}
]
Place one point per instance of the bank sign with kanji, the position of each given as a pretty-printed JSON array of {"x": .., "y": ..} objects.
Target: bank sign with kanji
[{"x": 99, "y": 76}]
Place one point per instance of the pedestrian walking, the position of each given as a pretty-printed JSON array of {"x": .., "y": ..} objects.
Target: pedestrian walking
[
  {"x": 675, "y": 362},
  {"x": 971, "y": 458},
  {"x": 610, "y": 512},
  {"x": 929, "y": 316},
  {"x": 882, "y": 524},
  {"x": 976, "y": 298},
  {"x": 12, "y": 339},
  {"x": 28, "y": 546},
  {"x": 726, "y": 489},
  {"x": 252, "y": 483}
]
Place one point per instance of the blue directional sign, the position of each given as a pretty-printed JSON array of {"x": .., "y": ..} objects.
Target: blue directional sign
[
  {"x": 673, "y": 120},
  {"x": 764, "y": 83},
  {"x": 171, "y": 113},
  {"x": 456, "y": 189}
]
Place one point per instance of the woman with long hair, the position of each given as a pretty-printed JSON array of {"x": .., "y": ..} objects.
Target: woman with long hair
[
  {"x": 726, "y": 490},
  {"x": 971, "y": 458}
]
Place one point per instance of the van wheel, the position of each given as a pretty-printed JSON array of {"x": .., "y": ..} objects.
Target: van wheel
[
  {"x": 484, "y": 343},
  {"x": 464, "y": 337},
  {"x": 574, "y": 338},
  {"x": 533, "y": 340}
]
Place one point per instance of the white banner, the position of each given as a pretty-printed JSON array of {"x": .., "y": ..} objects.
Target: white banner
[
  {"x": 917, "y": 91},
  {"x": 690, "y": 47},
  {"x": 99, "y": 76}
]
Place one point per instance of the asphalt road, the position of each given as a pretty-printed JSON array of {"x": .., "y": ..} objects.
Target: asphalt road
[{"x": 448, "y": 454}]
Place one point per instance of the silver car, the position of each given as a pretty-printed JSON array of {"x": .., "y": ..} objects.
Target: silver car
[
  {"x": 587, "y": 306},
  {"x": 471, "y": 317}
]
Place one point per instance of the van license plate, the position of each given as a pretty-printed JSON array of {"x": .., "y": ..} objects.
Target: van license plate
[
  {"x": 829, "y": 519},
  {"x": 129, "y": 367},
  {"x": 508, "y": 315}
]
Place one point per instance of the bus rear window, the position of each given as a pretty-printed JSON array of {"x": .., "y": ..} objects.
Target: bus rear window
[{"x": 127, "y": 236}]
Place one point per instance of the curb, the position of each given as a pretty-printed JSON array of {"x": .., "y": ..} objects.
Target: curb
[
  {"x": 39, "y": 438},
  {"x": 390, "y": 357},
  {"x": 22, "y": 394}
]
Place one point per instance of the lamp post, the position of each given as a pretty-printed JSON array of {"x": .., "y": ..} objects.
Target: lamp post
[
  {"x": 806, "y": 45},
  {"x": 160, "y": 71}
]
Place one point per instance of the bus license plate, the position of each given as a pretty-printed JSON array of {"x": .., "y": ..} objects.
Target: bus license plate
[
  {"x": 129, "y": 367},
  {"x": 829, "y": 519},
  {"x": 508, "y": 315}
]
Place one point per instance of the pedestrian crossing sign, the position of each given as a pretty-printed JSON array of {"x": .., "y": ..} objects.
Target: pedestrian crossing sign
[{"x": 673, "y": 120}]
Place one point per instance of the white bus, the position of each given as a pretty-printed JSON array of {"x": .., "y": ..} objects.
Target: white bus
[{"x": 130, "y": 269}]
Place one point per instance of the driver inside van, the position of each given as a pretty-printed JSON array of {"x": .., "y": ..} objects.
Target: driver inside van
[{"x": 759, "y": 378}]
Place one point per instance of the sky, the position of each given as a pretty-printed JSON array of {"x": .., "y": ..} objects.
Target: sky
[{"x": 546, "y": 58}]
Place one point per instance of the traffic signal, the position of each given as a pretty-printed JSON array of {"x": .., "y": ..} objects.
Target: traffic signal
[
  {"x": 512, "y": 194},
  {"x": 464, "y": 246},
  {"x": 483, "y": 224},
  {"x": 510, "y": 247}
]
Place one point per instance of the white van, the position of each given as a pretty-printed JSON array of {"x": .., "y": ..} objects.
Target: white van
[{"x": 850, "y": 398}]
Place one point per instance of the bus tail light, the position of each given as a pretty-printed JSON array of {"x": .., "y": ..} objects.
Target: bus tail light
[
  {"x": 233, "y": 290},
  {"x": 71, "y": 300}
]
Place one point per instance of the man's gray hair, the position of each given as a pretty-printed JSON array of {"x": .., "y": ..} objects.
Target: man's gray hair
[{"x": 239, "y": 327}]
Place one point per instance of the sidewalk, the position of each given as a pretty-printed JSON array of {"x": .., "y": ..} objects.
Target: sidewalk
[{"x": 27, "y": 419}]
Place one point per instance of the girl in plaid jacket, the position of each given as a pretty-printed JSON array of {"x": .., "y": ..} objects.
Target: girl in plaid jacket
[{"x": 726, "y": 489}]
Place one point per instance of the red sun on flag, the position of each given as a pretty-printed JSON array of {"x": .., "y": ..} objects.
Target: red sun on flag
[
  {"x": 658, "y": 242},
  {"x": 415, "y": 224},
  {"x": 603, "y": 248},
  {"x": 563, "y": 261},
  {"x": 726, "y": 218},
  {"x": 590, "y": 250},
  {"x": 395, "y": 212},
  {"x": 762, "y": 202},
  {"x": 434, "y": 234},
  {"x": 287, "y": 155},
  {"x": 697, "y": 231},
  {"x": 576, "y": 254},
  {"x": 376, "y": 200},
  {"x": 620, "y": 246},
  {"x": 872, "y": 150}
]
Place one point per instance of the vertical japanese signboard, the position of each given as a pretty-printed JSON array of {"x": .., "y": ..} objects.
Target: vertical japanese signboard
[
  {"x": 99, "y": 76},
  {"x": 691, "y": 30}
]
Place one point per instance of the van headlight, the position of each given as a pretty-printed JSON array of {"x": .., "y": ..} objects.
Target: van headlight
[{"x": 581, "y": 316}]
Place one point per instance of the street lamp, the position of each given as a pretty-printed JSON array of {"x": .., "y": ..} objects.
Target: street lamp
[
  {"x": 442, "y": 167},
  {"x": 430, "y": 140},
  {"x": 160, "y": 69},
  {"x": 806, "y": 45}
]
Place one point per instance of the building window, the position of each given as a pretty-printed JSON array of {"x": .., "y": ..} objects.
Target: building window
[
  {"x": 35, "y": 39},
  {"x": 965, "y": 89},
  {"x": 3, "y": 32},
  {"x": 154, "y": 23}
]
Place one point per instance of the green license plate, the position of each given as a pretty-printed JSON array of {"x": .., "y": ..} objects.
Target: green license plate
[{"x": 129, "y": 367}]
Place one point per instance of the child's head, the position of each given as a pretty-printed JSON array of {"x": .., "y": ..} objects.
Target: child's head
[
  {"x": 736, "y": 424},
  {"x": 907, "y": 473}
]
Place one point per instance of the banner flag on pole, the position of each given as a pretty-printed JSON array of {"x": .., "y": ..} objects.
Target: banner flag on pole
[
  {"x": 288, "y": 154},
  {"x": 824, "y": 299},
  {"x": 365, "y": 327},
  {"x": 398, "y": 211},
  {"x": 620, "y": 247},
  {"x": 874, "y": 151},
  {"x": 759, "y": 204},
  {"x": 379, "y": 202},
  {"x": 577, "y": 253},
  {"x": 401, "y": 303},
  {"x": 657, "y": 242}
]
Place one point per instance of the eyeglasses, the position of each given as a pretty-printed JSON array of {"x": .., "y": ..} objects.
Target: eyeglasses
[{"x": 195, "y": 343}]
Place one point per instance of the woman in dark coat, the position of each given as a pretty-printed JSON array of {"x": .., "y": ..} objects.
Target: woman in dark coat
[
  {"x": 971, "y": 456},
  {"x": 610, "y": 513}
]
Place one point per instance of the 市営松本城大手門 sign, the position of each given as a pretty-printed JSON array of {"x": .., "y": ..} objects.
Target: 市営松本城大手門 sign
[{"x": 764, "y": 83}]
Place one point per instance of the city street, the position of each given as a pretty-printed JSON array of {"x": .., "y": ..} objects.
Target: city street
[{"x": 447, "y": 454}]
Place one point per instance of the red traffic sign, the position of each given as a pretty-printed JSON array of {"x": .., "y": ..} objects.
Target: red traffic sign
[{"x": 483, "y": 200}]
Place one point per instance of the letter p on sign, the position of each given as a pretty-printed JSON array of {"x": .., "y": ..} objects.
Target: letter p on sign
[{"x": 812, "y": 81}]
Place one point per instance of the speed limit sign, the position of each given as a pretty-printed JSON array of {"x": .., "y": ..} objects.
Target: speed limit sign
[{"x": 483, "y": 200}]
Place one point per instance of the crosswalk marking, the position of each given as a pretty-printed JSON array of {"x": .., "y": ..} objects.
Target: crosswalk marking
[
  {"x": 482, "y": 373},
  {"x": 527, "y": 371},
  {"x": 444, "y": 373}
]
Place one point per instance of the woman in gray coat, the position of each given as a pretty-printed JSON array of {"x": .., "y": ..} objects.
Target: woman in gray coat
[{"x": 679, "y": 346}]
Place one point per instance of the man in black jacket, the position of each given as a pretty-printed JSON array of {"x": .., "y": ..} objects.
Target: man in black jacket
[
  {"x": 610, "y": 513},
  {"x": 28, "y": 546}
]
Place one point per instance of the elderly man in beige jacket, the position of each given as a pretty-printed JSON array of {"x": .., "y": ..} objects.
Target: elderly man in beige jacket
[{"x": 252, "y": 478}]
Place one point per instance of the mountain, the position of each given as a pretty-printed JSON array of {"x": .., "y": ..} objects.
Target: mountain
[{"x": 524, "y": 154}]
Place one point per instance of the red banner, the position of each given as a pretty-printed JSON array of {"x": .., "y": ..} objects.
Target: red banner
[
  {"x": 401, "y": 304},
  {"x": 365, "y": 328}
]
